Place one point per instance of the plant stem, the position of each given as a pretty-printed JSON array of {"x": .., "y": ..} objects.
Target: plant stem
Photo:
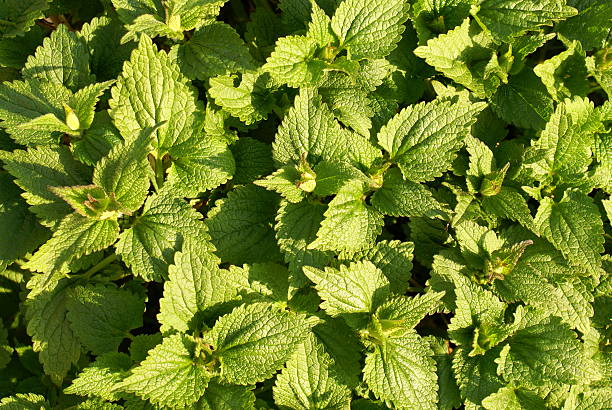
[
  {"x": 99, "y": 266},
  {"x": 159, "y": 172}
]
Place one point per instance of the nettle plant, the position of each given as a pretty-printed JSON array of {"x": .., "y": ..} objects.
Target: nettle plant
[{"x": 300, "y": 204}]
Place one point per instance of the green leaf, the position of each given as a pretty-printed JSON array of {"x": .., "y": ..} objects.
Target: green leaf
[
  {"x": 214, "y": 49},
  {"x": 221, "y": 396},
  {"x": 462, "y": 55},
  {"x": 512, "y": 398},
  {"x": 251, "y": 101},
  {"x": 448, "y": 391},
  {"x": 75, "y": 236},
  {"x": 15, "y": 51},
  {"x": 97, "y": 141},
  {"x": 125, "y": 173},
  {"x": 172, "y": 375},
  {"x": 523, "y": 101},
  {"x": 319, "y": 27},
  {"x": 574, "y": 226},
  {"x": 348, "y": 101},
  {"x": 293, "y": 62},
  {"x": 350, "y": 225},
  {"x": 17, "y": 17},
  {"x": 284, "y": 181},
  {"x": 88, "y": 200},
  {"x": 369, "y": 29},
  {"x": 401, "y": 371},
  {"x": 565, "y": 75},
  {"x": 99, "y": 378},
  {"x": 510, "y": 204},
  {"x": 25, "y": 232},
  {"x": 84, "y": 103},
  {"x": 39, "y": 168},
  {"x": 63, "y": 59},
  {"x": 476, "y": 376},
  {"x": 106, "y": 53},
  {"x": 308, "y": 128},
  {"x": 21, "y": 102},
  {"x": 332, "y": 176},
  {"x": 52, "y": 335},
  {"x": 423, "y": 139},
  {"x": 151, "y": 90},
  {"x": 195, "y": 283},
  {"x": 393, "y": 258},
  {"x": 543, "y": 350},
  {"x": 261, "y": 281},
  {"x": 114, "y": 311},
  {"x": 297, "y": 225},
  {"x": 253, "y": 160},
  {"x": 477, "y": 311},
  {"x": 169, "y": 18},
  {"x": 351, "y": 291},
  {"x": 507, "y": 18},
  {"x": 567, "y": 140},
  {"x": 267, "y": 336},
  {"x": 400, "y": 197},
  {"x": 241, "y": 226},
  {"x": 27, "y": 401},
  {"x": 408, "y": 312},
  {"x": 149, "y": 245},
  {"x": 309, "y": 380},
  {"x": 590, "y": 26},
  {"x": 199, "y": 164}
]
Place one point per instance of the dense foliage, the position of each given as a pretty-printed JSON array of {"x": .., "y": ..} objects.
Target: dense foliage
[{"x": 305, "y": 204}]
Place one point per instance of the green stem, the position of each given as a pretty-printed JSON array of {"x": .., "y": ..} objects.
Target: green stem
[
  {"x": 99, "y": 266},
  {"x": 159, "y": 172}
]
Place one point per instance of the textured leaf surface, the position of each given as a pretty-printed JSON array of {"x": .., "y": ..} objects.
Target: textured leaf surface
[
  {"x": 125, "y": 172},
  {"x": 542, "y": 350},
  {"x": 369, "y": 29},
  {"x": 424, "y": 139},
  {"x": 358, "y": 288},
  {"x": 575, "y": 227},
  {"x": 250, "y": 101},
  {"x": 296, "y": 226},
  {"x": 170, "y": 375},
  {"x": 214, "y": 49},
  {"x": 401, "y": 371},
  {"x": 37, "y": 169},
  {"x": 46, "y": 309},
  {"x": 505, "y": 18},
  {"x": 309, "y": 380},
  {"x": 293, "y": 62},
  {"x": 462, "y": 55},
  {"x": 258, "y": 331},
  {"x": 62, "y": 59},
  {"x": 195, "y": 283},
  {"x": 20, "y": 16},
  {"x": 241, "y": 226},
  {"x": 148, "y": 247},
  {"x": 150, "y": 91},
  {"x": 75, "y": 236},
  {"x": 400, "y": 197},
  {"x": 350, "y": 224},
  {"x": 199, "y": 164},
  {"x": 309, "y": 128},
  {"x": 99, "y": 378},
  {"x": 102, "y": 316},
  {"x": 523, "y": 101},
  {"x": 393, "y": 258},
  {"x": 26, "y": 232}
]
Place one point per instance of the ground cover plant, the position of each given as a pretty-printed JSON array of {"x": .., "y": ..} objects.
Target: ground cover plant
[{"x": 305, "y": 204}]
